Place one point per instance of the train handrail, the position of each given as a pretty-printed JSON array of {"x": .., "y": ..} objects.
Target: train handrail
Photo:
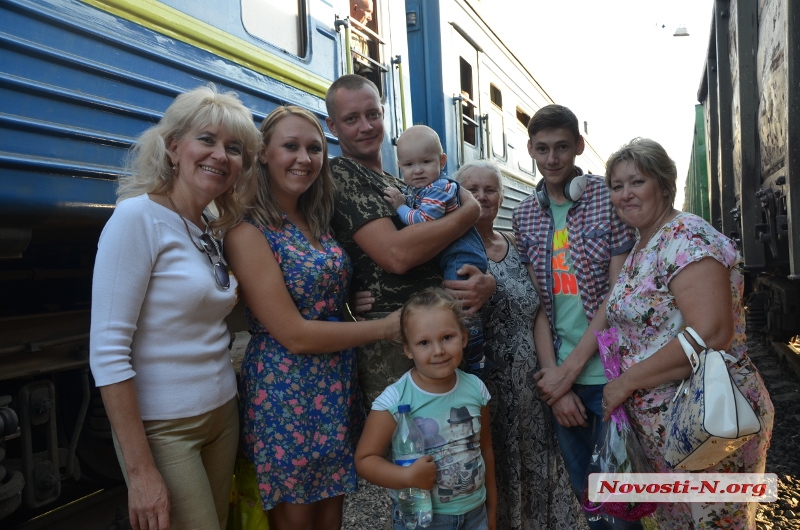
[
  {"x": 457, "y": 100},
  {"x": 485, "y": 150},
  {"x": 365, "y": 33},
  {"x": 397, "y": 61},
  {"x": 369, "y": 33},
  {"x": 338, "y": 23}
]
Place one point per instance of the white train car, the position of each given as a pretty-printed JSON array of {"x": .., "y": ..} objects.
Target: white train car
[{"x": 474, "y": 91}]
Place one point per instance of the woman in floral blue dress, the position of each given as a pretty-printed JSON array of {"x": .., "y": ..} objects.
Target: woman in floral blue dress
[
  {"x": 682, "y": 272},
  {"x": 298, "y": 388}
]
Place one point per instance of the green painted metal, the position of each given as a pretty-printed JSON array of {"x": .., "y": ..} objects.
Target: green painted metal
[{"x": 696, "y": 199}]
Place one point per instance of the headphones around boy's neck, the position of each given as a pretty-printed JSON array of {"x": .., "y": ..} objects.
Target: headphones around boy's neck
[{"x": 573, "y": 189}]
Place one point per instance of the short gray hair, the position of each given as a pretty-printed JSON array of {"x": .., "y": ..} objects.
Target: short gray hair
[{"x": 481, "y": 164}]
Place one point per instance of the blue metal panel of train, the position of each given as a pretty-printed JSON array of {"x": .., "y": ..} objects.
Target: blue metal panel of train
[{"x": 80, "y": 80}]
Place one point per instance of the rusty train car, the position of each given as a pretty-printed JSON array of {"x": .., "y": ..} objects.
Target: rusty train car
[{"x": 744, "y": 175}]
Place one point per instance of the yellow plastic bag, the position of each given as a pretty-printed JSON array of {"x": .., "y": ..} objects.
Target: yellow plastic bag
[{"x": 245, "y": 511}]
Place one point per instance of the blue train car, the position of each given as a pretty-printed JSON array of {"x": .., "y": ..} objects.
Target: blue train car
[{"x": 81, "y": 79}]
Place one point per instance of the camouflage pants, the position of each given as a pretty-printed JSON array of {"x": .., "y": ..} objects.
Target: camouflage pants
[{"x": 379, "y": 365}]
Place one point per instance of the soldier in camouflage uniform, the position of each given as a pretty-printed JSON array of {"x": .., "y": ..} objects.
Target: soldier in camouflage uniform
[{"x": 391, "y": 261}]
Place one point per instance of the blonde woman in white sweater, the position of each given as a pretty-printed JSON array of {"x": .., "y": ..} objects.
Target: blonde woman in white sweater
[{"x": 159, "y": 345}]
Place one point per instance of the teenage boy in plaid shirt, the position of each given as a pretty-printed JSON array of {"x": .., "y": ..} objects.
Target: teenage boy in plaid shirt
[{"x": 573, "y": 245}]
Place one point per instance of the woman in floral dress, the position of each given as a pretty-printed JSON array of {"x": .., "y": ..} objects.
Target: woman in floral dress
[
  {"x": 300, "y": 405},
  {"x": 533, "y": 490},
  {"x": 682, "y": 272}
]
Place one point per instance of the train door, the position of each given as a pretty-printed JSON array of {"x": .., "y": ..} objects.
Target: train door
[
  {"x": 466, "y": 100},
  {"x": 370, "y": 49}
]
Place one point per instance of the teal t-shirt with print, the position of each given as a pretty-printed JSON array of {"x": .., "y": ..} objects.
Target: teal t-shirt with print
[
  {"x": 570, "y": 320},
  {"x": 451, "y": 424}
]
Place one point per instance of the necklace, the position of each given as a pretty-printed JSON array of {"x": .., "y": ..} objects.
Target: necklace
[{"x": 188, "y": 232}]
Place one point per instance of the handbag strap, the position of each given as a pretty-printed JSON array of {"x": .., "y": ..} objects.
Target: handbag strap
[
  {"x": 691, "y": 354},
  {"x": 696, "y": 336},
  {"x": 725, "y": 355},
  {"x": 689, "y": 350}
]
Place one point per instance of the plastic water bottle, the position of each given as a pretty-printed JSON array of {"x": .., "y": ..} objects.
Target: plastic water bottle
[{"x": 408, "y": 445}]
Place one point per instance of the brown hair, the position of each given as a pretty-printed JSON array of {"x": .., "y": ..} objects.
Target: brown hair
[
  {"x": 430, "y": 298},
  {"x": 346, "y": 82},
  {"x": 316, "y": 203},
  {"x": 651, "y": 159},
  {"x": 552, "y": 117}
]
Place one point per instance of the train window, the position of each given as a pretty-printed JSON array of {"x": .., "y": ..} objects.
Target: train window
[
  {"x": 278, "y": 22},
  {"x": 523, "y": 118},
  {"x": 496, "y": 95},
  {"x": 366, "y": 44},
  {"x": 525, "y": 162},
  {"x": 468, "y": 104},
  {"x": 496, "y": 127}
]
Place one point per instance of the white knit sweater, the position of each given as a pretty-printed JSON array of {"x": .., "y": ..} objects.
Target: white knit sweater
[{"x": 157, "y": 314}]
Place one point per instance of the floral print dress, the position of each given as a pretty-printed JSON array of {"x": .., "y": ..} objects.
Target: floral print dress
[
  {"x": 644, "y": 310},
  {"x": 301, "y": 413},
  {"x": 533, "y": 489}
]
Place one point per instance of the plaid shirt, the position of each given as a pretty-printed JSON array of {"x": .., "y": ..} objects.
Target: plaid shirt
[{"x": 595, "y": 235}]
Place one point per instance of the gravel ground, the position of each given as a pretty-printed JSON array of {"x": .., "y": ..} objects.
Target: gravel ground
[
  {"x": 369, "y": 508},
  {"x": 783, "y": 458}
]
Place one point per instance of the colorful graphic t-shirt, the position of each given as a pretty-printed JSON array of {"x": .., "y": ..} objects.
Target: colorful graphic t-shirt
[
  {"x": 570, "y": 321},
  {"x": 451, "y": 423}
]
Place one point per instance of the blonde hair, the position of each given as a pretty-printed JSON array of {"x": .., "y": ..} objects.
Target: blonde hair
[
  {"x": 316, "y": 203},
  {"x": 150, "y": 167},
  {"x": 421, "y": 132},
  {"x": 650, "y": 158},
  {"x": 430, "y": 298}
]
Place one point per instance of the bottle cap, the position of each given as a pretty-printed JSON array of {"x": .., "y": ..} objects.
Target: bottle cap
[{"x": 403, "y": 408}]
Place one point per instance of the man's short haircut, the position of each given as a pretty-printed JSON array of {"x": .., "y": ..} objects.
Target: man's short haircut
[
  {"x": 347, "y": 82},
  {"x": 552, "y": 117}
]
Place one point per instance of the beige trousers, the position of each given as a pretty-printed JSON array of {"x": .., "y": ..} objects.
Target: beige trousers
[{"x": 195, "y": 457}]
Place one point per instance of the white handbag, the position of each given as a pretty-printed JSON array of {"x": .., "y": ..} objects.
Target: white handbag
[{"x": 709, "y": 417}]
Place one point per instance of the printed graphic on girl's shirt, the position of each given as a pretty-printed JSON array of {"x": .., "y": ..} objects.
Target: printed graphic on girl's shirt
[{"x": 454, "y": 442}]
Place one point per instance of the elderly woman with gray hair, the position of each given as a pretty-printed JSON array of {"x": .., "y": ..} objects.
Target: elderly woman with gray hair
[{"x": 532, "y": 483}]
